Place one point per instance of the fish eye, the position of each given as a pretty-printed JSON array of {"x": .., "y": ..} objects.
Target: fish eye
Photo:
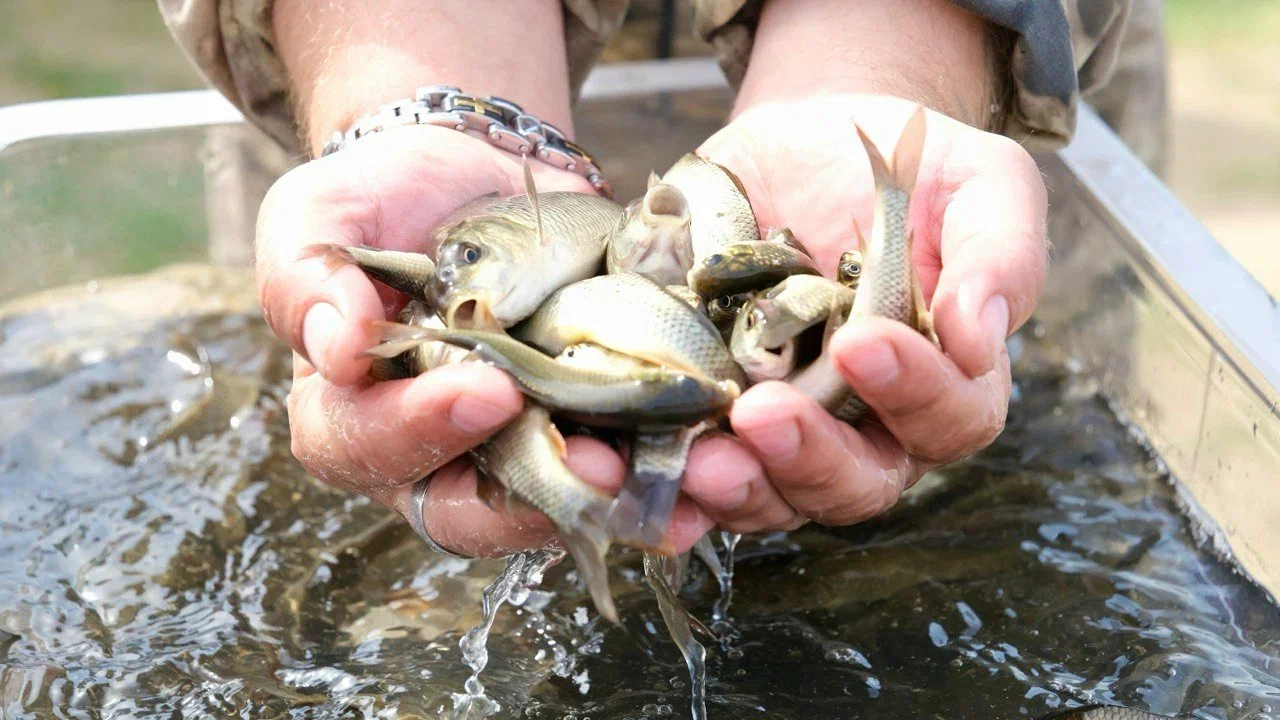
[
  {"x": 470, "y": 254},
  {"x": 751, "y": 320},
  {"x": 853, "y": 268}
]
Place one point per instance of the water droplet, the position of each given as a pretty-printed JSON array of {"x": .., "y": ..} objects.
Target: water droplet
[{"x": 937, "y": 635}]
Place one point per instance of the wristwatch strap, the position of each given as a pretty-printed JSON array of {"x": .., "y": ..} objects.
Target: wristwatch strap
[{"x": 503, "y": 122}]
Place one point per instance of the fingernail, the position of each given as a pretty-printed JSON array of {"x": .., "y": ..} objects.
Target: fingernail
[
  {"x": 875, "y": 365},
  {"x": 318, "y": 328},
  {"x": 473, "y": 416},
  {"x": 995, "y": 318},
  {"x": 778, "y": 441}
]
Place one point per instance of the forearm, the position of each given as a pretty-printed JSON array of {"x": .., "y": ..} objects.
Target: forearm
[
  {"x": 929, "y": 51},
  {"x": 345, "y": 58}
]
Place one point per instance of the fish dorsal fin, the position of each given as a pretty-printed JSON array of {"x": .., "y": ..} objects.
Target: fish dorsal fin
[
  {"x": 532, "y": 190},
  {"x": 859, "y": 239},
  {"x": 654, "y": 179}
]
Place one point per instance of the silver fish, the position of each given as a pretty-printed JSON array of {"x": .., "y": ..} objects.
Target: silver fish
[
  {"x": 499, "y": 263},
  {"x": 888, "y": 287},
  {"x": 720, "y": 213},
  {"x": 653, "y": 236}
]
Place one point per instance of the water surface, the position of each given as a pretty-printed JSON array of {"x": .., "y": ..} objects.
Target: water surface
[{"x": 151, "y": 568}]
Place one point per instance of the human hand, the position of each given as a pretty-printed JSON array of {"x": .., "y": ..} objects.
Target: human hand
[
  {"x": 390, "y": 191},
  {"x": 978, "y": 219}
]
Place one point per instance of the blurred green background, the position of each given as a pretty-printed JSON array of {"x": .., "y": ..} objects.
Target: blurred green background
[{"x": 1224, "y": 74}]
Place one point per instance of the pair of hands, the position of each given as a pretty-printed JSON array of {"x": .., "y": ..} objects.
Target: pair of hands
[{"x": 978, "y": 214}]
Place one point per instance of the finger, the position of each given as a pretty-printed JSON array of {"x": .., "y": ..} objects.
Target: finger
[
  {"x": 936, "y": 412},
  {"x": 825, "y": 469},
  {"x": 392, "y": 433},
  {"x": 323, "y": 314},
  {"x": 730, "y": 485},
  {"x": 993, "y": 252}
]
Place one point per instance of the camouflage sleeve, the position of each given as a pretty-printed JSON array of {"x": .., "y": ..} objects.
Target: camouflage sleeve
[
  {"x": 1063, "y": 49},
  {"x": 232, "y": 45}
]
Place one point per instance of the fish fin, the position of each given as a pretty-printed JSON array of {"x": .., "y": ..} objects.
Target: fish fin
[
  {"x": 532, "y": 190},
  {"x": 557, "y": 440},
  {"x": 906, "y": 156},
  {"x": 654, "y": 179},
  {"x": 334, "y": 256},
  {"x": 860, "y": 240},
  {"x": 395, "y": 338},
  {"x": 835, "y": 319},
  {"x": 588, "y": 543},
  {"x": 923, "y": 316}
]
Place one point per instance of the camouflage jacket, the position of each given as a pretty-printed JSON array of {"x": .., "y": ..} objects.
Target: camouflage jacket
[{"x": 1063, "y": 48}]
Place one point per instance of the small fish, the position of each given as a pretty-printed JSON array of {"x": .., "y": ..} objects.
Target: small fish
[
  {"x": 849, "y": 269},
  {"x": 527, "y": 458},
  {"x": 888, "y": 287},
  {"x": 496, "y": 265},
  {"x": 768, "y": 330},
  {"x": 631, "y": 314},
  {"x": 409, "y": 272},
  {"x": 746, "y": 267},
  {"x": 656, "y": 397},
  {"x": 720, "y": 213},
  {"x": 653, "y": 236},
  {"x": 655, "y": 465},
  {"x": 689, "y": 297}
]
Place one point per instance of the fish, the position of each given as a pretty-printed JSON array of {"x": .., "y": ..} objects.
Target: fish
[
  {"x": 631, "y": 314},
  {"x": 767, "y": 332},
  {"x": 849, "y": 269},
  {"x": 526, "y": 457},
  {"x": 746, "y": 267},
  {"x": 656, "y": 397},
  {"x": 653, "y": 236},
  {"x": 720, "y": 213},
  {"x": 1106, "y": 712},
  {"x": 495, "y": 266},
  {"x": 689, "y": 297},
  {"x": 655, "y": 465},
  {"x": 408, "y": 272},
  {"x": 888, "y": 286}
]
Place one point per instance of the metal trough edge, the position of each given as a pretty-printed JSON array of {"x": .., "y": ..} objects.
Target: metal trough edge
[{"x": 1184, "y": 342}]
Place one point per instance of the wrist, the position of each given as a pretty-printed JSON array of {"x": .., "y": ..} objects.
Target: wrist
[
  {"x": 926, "y": 51},
  {"x": 345, "y": 61}
]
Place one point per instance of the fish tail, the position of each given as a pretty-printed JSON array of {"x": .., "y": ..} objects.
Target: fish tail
[
  {"x": 335, "y": 257},
  {"x": 902, "y": 171},
  {"x": 588, "y": 543}
]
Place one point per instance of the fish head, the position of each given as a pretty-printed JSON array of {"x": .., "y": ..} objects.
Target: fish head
[
  {"x": 480, "y": 278},
  {"x": 722, "y": 311},
  {"x": 758, "y": 360},
  {"x": 849, "y": 270},
  {"x": 654, "y": 236}
]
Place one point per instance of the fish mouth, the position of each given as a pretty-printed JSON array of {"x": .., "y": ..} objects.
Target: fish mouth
[
  {"x": 471, "y": 312},
  {"x": 763, "y": 364}
]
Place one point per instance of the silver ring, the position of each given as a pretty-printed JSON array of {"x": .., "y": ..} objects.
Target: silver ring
[{"x": 419, "y": 525}]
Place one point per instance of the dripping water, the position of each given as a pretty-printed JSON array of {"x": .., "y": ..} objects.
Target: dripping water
[
  {"x": 664, "y": 580},
  {"x": 523, "y": 572}
]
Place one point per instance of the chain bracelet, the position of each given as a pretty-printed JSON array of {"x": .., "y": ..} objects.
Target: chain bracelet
[{"x": 504, "y": 123}]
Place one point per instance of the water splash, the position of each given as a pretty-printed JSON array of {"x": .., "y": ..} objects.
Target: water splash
[
  {"x": 523, "y": 572},
  {"x": 720, "y": 612},
  {"x": 658, "y": 571}
]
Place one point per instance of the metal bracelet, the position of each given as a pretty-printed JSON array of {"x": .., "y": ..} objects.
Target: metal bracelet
[
  {"x": 504, "y": 123},
  {"x": 420, "y": 525}
]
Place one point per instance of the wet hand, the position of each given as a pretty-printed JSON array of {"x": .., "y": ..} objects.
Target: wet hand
[
  {"x": 390, "y": 191},
  {"x": 978, "y": 217}
]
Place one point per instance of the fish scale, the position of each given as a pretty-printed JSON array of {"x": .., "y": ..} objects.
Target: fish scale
[
  {"x": 719, "y": 210},
  {"x": 631, "y": 314}
]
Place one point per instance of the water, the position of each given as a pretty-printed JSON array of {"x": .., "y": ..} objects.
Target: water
[{"x": 202, "y": 574}]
